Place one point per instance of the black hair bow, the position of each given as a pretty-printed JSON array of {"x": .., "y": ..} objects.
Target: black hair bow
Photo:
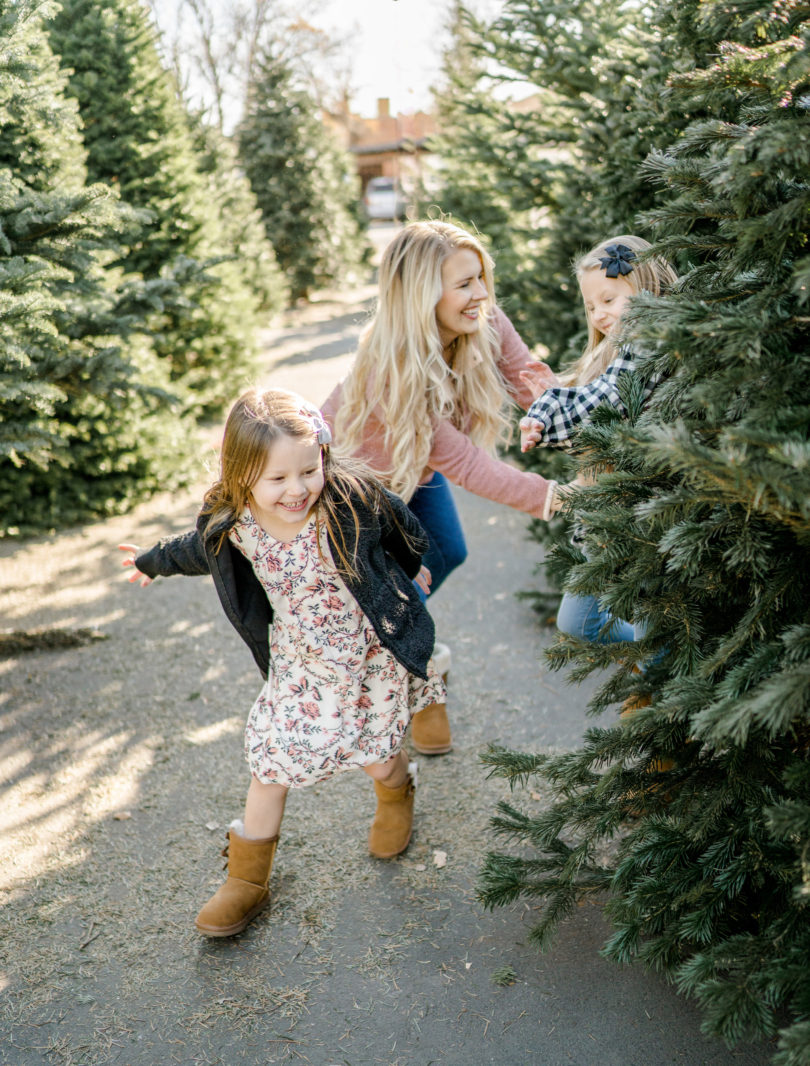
[{"x": 618, "y": 260}]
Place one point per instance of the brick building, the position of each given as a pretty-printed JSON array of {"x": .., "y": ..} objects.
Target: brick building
[{"x": 393, "y": 146}]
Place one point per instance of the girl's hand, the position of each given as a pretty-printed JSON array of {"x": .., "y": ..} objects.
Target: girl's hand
[
  {"x": 530, "y": 433},
  {"x": 537, "y": 378},
  {"x": 134, "y": 550},
  {"x": 423, "y": 579}
]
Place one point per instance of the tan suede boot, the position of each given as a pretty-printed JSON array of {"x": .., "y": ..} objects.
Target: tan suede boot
[
  {"x": 245, "y": 891},
  {"x": 393, "y": 822},
  {"x": 637, "y": 703},
  {"x": 430, "y": 730},
  {"x": 636, "y": 802}
]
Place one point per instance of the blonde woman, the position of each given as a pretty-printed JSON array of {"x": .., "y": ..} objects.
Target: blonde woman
[{"x": 428, "y": 399}]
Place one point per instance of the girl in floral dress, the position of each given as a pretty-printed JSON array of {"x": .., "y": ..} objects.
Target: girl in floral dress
[{"x": 315, "y": 564}]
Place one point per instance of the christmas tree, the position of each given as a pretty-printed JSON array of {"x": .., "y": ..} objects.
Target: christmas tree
[
  {"x": 548, "y": 117},
  {"x": 241, "y": 219},
  {"x": 139, "y": 140},
  {"x": 699, "y": 527},
  {"x": 305, "y": 185},
  {"x": 87, "y": 420}
]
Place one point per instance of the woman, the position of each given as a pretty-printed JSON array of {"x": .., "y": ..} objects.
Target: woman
[{"x": 427, "y": 400}]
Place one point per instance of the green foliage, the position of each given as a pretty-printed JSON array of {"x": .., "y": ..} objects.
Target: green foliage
[
  {"x": 230, "y": 190},
  {"x": 504, "y": 976},
  {"x": 76, "y": 386},
  {"x": 473, "y": 187},
  {"x": 561, "y": 160},
  {"x": 305, "y": 185},
  {"x": 140, "y": 141},
  {"x": 699, "y": 526}
]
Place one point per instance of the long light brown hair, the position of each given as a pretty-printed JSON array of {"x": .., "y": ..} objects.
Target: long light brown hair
[
  {"x": 400, "y": 370},
  {"x": 649, "y": 274},
  {"x": 258, "y": 419}
]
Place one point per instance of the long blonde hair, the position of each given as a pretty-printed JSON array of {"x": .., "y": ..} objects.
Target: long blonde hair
[
  {"x": 255, "y": 422},
  {"x": 400, "y": 368},
  {"x": 649, "y": 274}
]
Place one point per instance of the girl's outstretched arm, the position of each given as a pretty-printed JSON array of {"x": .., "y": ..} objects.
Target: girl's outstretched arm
[
  {"x": 181, "y": 554},
  {"x": 531, "y": 430},
  {"x": 133, "y": 551},
  {"x": 560, "y": 410}
]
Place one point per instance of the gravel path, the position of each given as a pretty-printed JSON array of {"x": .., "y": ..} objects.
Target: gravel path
[{"x": 121, "y": 764}]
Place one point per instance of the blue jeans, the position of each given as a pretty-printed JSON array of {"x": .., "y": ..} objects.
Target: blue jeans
[
  {"x": 433, "y": 505},
  {"x": 581, "y": 616}
]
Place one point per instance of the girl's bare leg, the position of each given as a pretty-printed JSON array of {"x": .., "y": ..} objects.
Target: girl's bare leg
[
  {"x": 264, "y": 809},
  {"x": 393, "y": 773}
]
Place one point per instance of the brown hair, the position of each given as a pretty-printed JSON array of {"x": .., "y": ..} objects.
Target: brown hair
[{"x": 255, "y": 422}]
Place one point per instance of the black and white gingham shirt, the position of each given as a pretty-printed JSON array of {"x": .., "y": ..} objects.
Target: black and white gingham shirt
[{"x": 562, "y": 408}]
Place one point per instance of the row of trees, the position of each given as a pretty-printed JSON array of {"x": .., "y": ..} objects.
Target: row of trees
[
  {"x": 686, "y": 122},
  {"x": 140, "y": 249}
]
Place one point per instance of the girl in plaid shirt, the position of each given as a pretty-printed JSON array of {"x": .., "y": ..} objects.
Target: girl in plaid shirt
[{"x": 608, "y": 275}]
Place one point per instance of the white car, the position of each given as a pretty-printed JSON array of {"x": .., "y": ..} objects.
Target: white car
[{"x": 384, "y": 198}]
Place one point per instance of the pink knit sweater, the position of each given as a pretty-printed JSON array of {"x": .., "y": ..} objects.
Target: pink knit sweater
[{"x": 452, "y": 452}]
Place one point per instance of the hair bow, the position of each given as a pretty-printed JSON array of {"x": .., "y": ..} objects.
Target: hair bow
[
  {"x": 310, "y": 412},
  {"x": 618, "y": 260}
]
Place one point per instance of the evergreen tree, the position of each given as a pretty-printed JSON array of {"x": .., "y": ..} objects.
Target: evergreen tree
[
  {"x": 78, "y": 434},
  {"x": 241, "y": 219},
  {"x": 701, "y": 529},
  {"x": 559, "y": 156},
  {"x": 139, "y": 140},
  {"x": 466, "y": 185},
  {"x": 305, "y": 184}
]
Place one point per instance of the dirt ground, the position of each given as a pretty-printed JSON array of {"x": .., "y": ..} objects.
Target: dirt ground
[{"x": 121, "y": 765}]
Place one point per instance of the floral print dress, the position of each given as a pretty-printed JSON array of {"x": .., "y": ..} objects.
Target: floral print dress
[{"x": 335, "y": 698}]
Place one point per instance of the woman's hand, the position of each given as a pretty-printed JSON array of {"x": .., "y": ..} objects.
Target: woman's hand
[
  {"x": 134, "y": 551},
  {"x": 537, "y": 377},
  {"x": 423, "y": 579},
  {"x": 530, "y": 433}
]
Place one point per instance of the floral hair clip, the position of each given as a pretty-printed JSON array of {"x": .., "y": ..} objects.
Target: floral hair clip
[
  {"x": 310, "y": 412},
  {"x": 618, "y": 260}
]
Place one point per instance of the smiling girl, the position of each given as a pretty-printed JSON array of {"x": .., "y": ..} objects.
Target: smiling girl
[
  {"x": 609, "y": 275},
  {"x": 314, "y": 563}
]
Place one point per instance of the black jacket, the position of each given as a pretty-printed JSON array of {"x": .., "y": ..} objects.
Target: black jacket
[{"x": 384, "y": 588}]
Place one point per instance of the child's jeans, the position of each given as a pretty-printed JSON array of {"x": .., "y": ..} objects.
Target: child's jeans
[
  {"x": 433, "y": 505},
  {"x": 581, "y": 616}
]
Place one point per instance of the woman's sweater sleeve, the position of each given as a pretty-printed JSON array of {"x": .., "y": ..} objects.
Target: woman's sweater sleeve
[{"x": 462, "y": 462}]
